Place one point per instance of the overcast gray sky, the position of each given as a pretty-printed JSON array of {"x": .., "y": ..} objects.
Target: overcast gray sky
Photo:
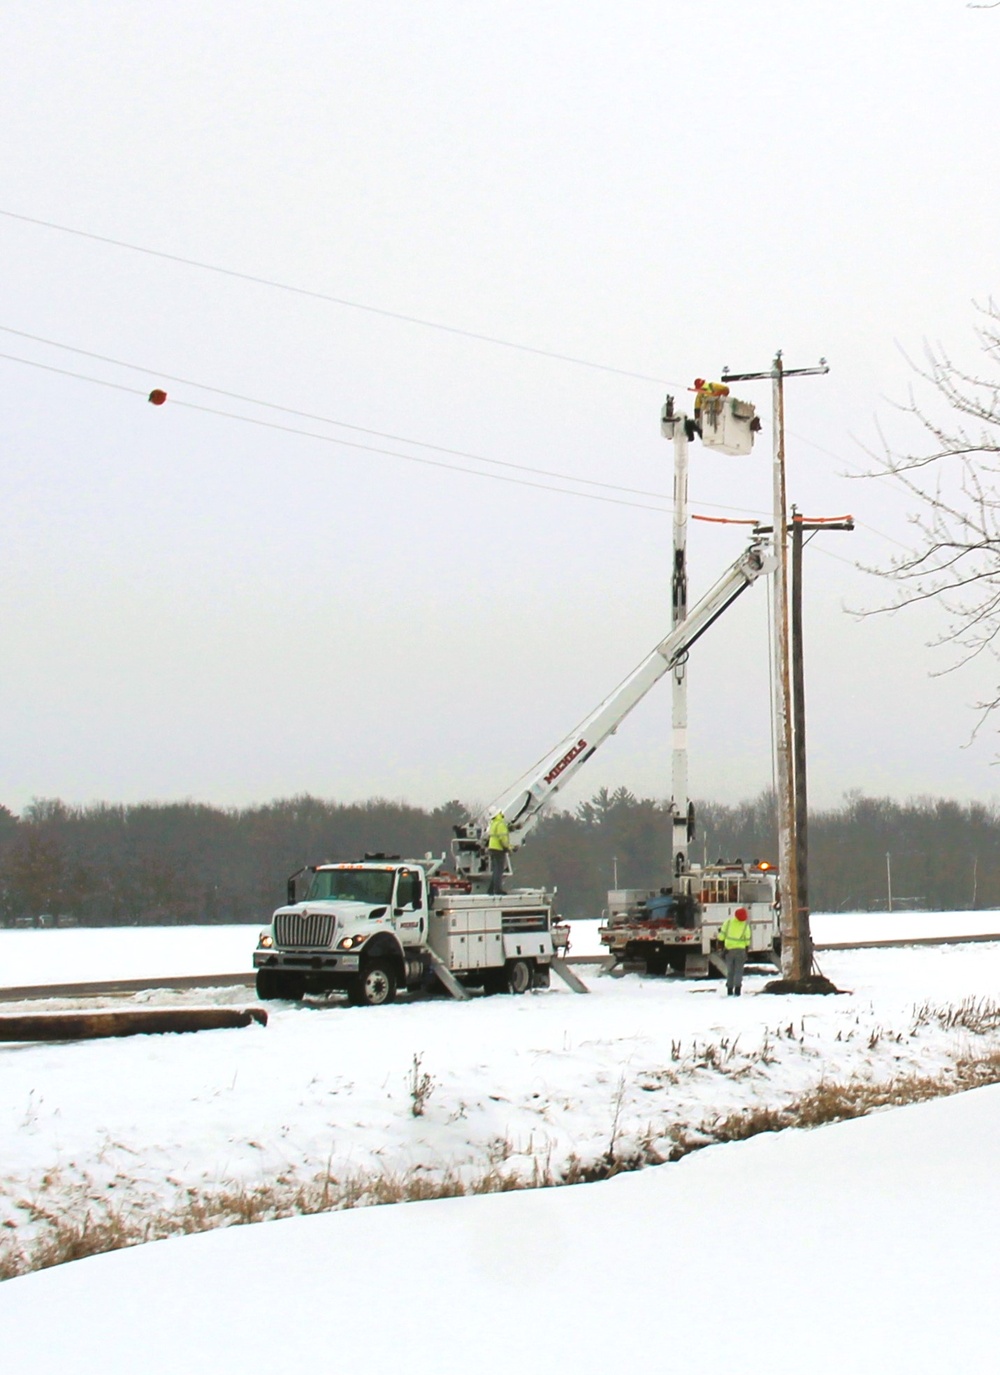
[{"x": 194, "y": 606}]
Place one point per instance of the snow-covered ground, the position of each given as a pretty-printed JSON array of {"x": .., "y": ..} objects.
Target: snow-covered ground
[
  {"x": 838, "y": 928},
  {"x": 105, "y": 954},
  {"x": 868, "y": 1247},
  {"x": 527, "y": 1084}
]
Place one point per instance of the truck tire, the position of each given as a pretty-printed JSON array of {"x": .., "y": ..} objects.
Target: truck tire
[
  {"x": 277, "y": 984},
  {"x": 519, "y": 975},
  {"x": 374, "y": 985},
  {"x": 266, "y": 985}
]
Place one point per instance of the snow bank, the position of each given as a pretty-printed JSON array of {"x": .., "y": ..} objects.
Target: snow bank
[{"x": 867, "y": 1247}]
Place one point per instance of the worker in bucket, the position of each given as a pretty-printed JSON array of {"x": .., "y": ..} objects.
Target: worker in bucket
[
  {"x": 498, "y": 844},
  {"x": 735, "y": 936},
  {"x": 706, "y": 394}
]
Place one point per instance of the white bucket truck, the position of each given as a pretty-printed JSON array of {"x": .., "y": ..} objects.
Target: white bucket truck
[
  {"x": 372, "y": 927},
  {"x": 376, "y": 925}
]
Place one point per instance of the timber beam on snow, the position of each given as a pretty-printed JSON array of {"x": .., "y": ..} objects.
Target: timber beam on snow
[{"x": 146, "y": 1021}]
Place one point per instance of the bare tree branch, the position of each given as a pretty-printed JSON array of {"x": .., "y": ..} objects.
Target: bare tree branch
[{"x": 952, "y": 484}]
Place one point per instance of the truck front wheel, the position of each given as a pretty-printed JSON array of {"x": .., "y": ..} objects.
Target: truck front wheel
[
  {"x": 276, "y": 983},
  {"x": 374, "y": 985}
]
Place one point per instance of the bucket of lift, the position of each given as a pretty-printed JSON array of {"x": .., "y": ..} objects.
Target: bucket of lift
[{"x": 728, "y": 425}]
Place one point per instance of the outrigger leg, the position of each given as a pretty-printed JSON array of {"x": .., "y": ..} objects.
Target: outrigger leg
[
  {"x": 568, "y": 976},
  {"x": 447, "y": 977}
]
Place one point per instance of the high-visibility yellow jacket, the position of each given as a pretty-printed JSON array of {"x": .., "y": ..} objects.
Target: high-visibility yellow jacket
[
  {"x": 735, "y": 934},
  {"x": 709, "y": 391},
  {"x": 499, "y": 834}
]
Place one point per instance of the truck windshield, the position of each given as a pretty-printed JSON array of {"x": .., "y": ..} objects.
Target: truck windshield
[{"x": 351, "y": 885}]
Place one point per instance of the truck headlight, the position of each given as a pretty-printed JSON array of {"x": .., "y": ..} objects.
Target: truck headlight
[
  {"x": 266, "y": 941},
  {"x": 352, "y": 942}
]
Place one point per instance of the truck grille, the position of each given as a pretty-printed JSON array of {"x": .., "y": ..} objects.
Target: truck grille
[{"x": 303, "y": 930}]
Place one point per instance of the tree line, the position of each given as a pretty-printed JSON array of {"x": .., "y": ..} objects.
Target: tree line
[{"x": 188, "y": 863}]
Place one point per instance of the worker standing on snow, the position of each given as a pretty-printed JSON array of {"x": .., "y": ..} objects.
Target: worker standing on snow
[
  {"x": 498, "y": 845},
  {"x": 735, "y": 936}
]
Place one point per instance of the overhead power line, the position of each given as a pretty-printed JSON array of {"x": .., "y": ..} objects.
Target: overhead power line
[
  {"x": 389, "y": 453},
  {"x": 369, "y": 448},
  {"x": 352, "y": 305},
  {"x": 326, "y": 420},
  {"x": 335, "y": 300},
  {"x": 333, "y": 439}
]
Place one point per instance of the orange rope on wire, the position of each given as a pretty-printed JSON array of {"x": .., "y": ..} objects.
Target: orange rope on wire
[
  {"x": 724, "y": 520},
  {"x": 822, "y": 520}
]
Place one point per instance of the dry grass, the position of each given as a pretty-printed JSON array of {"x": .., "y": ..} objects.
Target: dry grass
[
  {"x": 421, "y": 1085},
  {"x": 827, "y": 1103},
  {"x": 979, "y": 1016},
  {"x": 95, "y": 1225}
]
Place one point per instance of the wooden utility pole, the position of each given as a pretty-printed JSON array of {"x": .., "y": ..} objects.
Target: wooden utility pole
[
  {"x": 796, "y": 943},
  {"x": 799, "y": 779},
  {"x": 796, "y": 959},
  {"x": 799, "y": 785}
]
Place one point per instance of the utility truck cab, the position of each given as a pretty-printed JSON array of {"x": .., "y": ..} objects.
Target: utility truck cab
[{"x": 373, "y": 926}]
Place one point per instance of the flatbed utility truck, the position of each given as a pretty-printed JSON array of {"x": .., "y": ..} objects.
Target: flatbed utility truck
[{"x": 677, "y": 929}]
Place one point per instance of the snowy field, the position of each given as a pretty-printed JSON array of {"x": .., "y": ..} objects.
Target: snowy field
[
  {"x": 530, "y": 1083},
  {"x": 104, "y": 954},
  {"x": 867, "y": 1247},
  {"x": 29, "y": 958},
  {"x": 874, "y": 1240}
]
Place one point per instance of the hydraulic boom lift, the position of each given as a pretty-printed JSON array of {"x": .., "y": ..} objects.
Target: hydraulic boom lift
[{"x": 526, "y": 805}]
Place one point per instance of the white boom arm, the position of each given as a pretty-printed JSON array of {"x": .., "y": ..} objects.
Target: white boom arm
[{"x": 525, "y": 806}]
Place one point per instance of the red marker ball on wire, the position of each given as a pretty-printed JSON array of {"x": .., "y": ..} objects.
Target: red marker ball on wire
[{"x": 157, "y": 397}]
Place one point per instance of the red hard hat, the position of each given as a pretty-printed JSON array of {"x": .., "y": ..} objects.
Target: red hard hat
[
  {"x": 741, "y": 914},
  {"x": 699, "y": 381}
]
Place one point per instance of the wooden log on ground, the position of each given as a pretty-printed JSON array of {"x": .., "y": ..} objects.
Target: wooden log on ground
[{"x": 146, "y": 1021}]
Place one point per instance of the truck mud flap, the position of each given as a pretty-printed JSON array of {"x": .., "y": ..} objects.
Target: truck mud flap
[
  {"x": 447, "y": 977},
  {"x": 569, "y": 978}
]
